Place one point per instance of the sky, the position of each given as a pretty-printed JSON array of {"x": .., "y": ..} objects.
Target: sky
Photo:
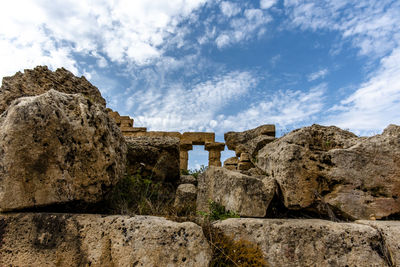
[{"x": 219, "y": 66}]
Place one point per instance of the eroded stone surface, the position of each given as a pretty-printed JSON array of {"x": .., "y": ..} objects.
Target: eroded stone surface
[
  {"x": 250, "y": 141},
  {"x": 155, "y": 157},
  {"x": 390, "y": 235},
  {"x": 95, "y": 240},
  {"x": 309, "y": 242},
  {"x": 40, "y": 80},
  {"x": 246, "y": 195},
  {"x": 188, "y": 179},
  {"x": 358, "y": 177},
  {"x": 57, "y": 148},
  {"x": 185, "y": 197}
]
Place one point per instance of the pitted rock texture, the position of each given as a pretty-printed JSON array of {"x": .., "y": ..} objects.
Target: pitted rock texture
[
  {"x": 389, "y": 232},
  {"x": 185, "y": 197},
  {"x": 188, "y": 179},
  {"x": 359, "y": 178},
  {"x": 57, "y": 148},
  {"x": 44, "y": 239},
  {"x": 313, "y": 242},
  {"x": 250, "y": 141},
  {"x": 248, "y": 196},
  {"x": 40, "y": 80},
  {"x": 155, "y": 157}
]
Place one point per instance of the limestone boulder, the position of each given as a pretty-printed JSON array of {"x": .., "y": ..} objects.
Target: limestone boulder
[
  {"x": 96, "y": 240},
  {"x": 57, "y": 148},
  {"x": 357, "y": 177},
  {"x": 231, "y": 163},
  {"x": 154, "y": 157},
  {"x": 188, "y": 179},
  {"x": 185, "y": 197},
  {"x": 248, "y": 196},
  {"x": 40, "y": 80},
  {"x": 313, "y": 242},
  {"x": 250, "y": 141}
]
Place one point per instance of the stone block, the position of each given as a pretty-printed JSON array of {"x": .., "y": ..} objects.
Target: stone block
[
  {"x": 244, "y": 157},
  {"x": 46, "y": 239},
  {"x": 246, "y": 195},
  {"x": 298, "y": 243},
  {"x": 185, "y": 197},
  {"x": 198, "y": 138}
]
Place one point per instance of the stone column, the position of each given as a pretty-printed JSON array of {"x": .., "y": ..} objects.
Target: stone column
[
  {"x": 184, "y": 155},
  {"x": 214, "y": 153}
]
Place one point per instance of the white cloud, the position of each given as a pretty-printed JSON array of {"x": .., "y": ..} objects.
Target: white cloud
[
  {"x": 50, "y": 32},
  {"x": 265, "y": 4},
  {"x": 229, "y": 9},
  {"x": 372, "y": 26},
  {"x": 284, "y": 108},
  {"x": 317, "y": 75},
  {"x": 177, "y": 109},
  {"x": 376, "y": 103},
  {"x": 243, "y": 28}
]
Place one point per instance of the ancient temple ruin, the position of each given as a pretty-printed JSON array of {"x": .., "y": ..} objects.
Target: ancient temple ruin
[{"x": 187, "y": 139}]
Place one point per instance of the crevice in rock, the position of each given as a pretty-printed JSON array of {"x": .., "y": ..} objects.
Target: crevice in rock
[
  {"x": 391, "y": 217},
  {"x": 318, "y": 210},
  {"x": 75, "y": 207},
  {"x": 382, "y": 248}
]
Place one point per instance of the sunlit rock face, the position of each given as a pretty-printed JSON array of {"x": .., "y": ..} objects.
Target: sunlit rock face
[
  {"x": 43, "y": 239},
  {"x": 57, "y": 148},
  {"x": 357, "y": 177}
]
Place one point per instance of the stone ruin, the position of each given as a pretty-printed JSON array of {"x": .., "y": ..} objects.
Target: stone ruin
[
  {"x": 318, "y": 196},
  {"x": 187, "y": 139}
]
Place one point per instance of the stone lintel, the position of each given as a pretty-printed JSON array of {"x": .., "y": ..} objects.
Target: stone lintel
[
  {"x": 214, "y": 146},
  {"x": 198, "y": 138},
  {"x": 186, "y": 146}
]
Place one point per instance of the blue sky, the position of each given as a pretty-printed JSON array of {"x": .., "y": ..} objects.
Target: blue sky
[{"x": 208, "y": 65}]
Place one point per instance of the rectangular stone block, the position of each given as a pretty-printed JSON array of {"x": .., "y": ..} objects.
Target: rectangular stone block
[{"x": 198, "y": 138}]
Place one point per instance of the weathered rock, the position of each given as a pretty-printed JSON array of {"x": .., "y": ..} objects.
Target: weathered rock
[
  {"x": 188, "y": 179},
  {"x": 231, "y": 163},
  {"x": 185, "y": 197},
  {"x": 98, "y": 240},
  {"x": 358, "y": 177},
  {"x": 240, "y": 193},
  {"x": 57, "y": 148},
  {"x": 250, "y": 141},
  {"x": 155, "y": 157},
  {"x": 389, "y": 232},
  {"x": 245, "y": 157},
  {"x": 245, "y": 166},
  {"x": 309, "y": 242},
  {"x": 40, "y": 80}
]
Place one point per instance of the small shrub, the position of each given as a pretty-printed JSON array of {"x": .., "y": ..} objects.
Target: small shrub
[
  {"x": 197, "y": 172},
  {"x": 217, "y": 212},
  {"x": 230, "y": 252},
  {"x": 135, "y": 194}
]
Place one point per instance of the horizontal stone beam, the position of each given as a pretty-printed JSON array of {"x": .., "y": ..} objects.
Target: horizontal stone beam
[{"x": 198, "y": 138}]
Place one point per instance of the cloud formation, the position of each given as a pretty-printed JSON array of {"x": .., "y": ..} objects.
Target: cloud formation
[{"x": 51, "y": 33}]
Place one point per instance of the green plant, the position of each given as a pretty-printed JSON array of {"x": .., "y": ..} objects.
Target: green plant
[
  {"x": 230, "y": 252},
  {"x": 185, "y": 172},
  {"x": 135, "y": 194},
  {"x": 197, "y": 172},
  {"x": 217, "y": 212}
]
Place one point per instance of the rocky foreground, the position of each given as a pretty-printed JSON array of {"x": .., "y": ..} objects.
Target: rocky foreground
[{"x": 71, "y": 186}]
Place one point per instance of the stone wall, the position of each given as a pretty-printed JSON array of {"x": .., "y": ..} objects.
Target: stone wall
[{"x": 187, "y": 139}]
